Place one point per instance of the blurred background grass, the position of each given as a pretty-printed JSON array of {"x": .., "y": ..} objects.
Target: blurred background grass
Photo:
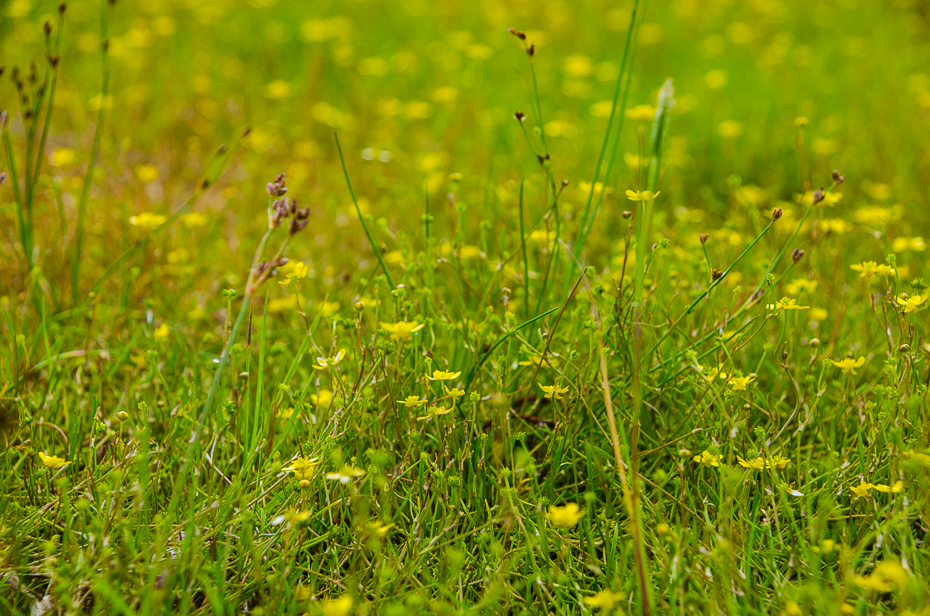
[{"x": 431, "y": 89}]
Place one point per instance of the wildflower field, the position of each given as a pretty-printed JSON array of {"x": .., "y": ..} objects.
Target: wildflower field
[{"x": 491, "y": 307}]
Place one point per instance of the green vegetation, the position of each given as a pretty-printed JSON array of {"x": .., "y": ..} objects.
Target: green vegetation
[{"x": 621, "y": 311}]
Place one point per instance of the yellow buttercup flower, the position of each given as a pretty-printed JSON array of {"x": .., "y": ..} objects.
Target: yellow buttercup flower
[
  {"x": 298, "y": 272},
  {"x": 904, "y": 244},
  {"x": 708, "y": 459},
  {"x": 53, "y": 462},
  {"x": 302, "y": 468},
  {"x": 886, "y": 576},
  {"x": 565, "y": 516},
  {"x": 439, "y": 375},
  {"x": 402, "y": 330},
  {"x": 412, "y": 401},
  {"x": 849, "y": 364},
  {"x": 642, "y": 195},
  {"x": 870, "y": 269},
  {"x": 553, "y": 391},
  {"x": 604, "y": 600},
  {"x": 337, "y": 607},
  {"x": 786, "y": 303},
  {"x": 147, "y": 220},
  {"x": 910, "y": 304},
  {"x": 741, "y": 383},
  {"x": 641, "y": 113},
  {"x": 436, "y": 411},
  {"x": 760, "y": 463}
]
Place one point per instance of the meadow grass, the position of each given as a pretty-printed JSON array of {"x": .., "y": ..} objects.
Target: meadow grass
[{"x": 401, "y": 307}]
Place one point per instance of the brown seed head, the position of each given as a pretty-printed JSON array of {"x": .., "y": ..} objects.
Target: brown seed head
[
  {"x": 777, "y": 213},
  {"x": 819, "y": 195},
  {"x": 703, "y": 237},
  {"x": 797, "y": 255},
  {"x": 517, "y": 33},
  {"x": 531, "y": 50}
]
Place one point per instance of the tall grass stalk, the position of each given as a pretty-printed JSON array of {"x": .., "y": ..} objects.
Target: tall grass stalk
[{"x": 77, "y": 256}]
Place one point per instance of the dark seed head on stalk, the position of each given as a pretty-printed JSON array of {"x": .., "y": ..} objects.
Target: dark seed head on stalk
[
  {"x": 837, "y": 178},
  {"x": 520, "y": 116},
  {"x": 62, "y": 8},
  {"x": 819, "y": 195},
  {"x": 517, "y": 33},
  {"x": 703, "y": 237},
  {"x": 797, "y": 255},
  {"x": 777, "y": 213}
]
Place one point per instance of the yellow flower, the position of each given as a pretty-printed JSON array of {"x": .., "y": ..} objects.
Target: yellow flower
[
  {"x": 861, "y": 490},
  {"x": 435, "y": 411},
  {"x": 375, "y": 529},
  {"x": 402, "y": 330},
  {"x": 324, "y": 398},
  {"x": 903, "y": 244},
  {"x": 605, "y": 599},
  {"x": 798, "y": 285},
  {"x": 337, "y": 607},
  {"x": 910, "y": 304},
  {"x": 62, "y": 157},
  {"x": 347, "y": 474},
  {"x": 886, "y": 576},
  {"x": 786, "y": 303},
  {"x": 708, "y": 459},
  {"x": 194, "y": 219},
  {"x": 412, "y": 401},
  {"x": 53, "y": 462},
  {"x": 849, "y": 364},
  {"x": 897, "y": 487},
  {"x": 302, "y": 468},
  {"x": 641, "y": 113},
  {"x": 714, "y": 373},
  {"x": 565, "y": 516},
  {"x": 162, "y": 332},
  {"x": 759, "y": 462},
  {"x": 641, "y": 195},
  {"x": 729, "y": 129},
  {"x": 740, "y": 383},
  {"x": 299, "y": 272},
  {"x": 147, "y": 220},
  {"x": 870, "y": 269},
  {"x": 439, "y": 375},
  {"x": 585, "y": 187},
  {"x": 278, "y": 90},
  {"x": 454, "y": 393},
  {"x": 324, "y": 363},
  {"x": 553, "y": 391},
  {"x": 532, "y": 360},
  {"x": 146, "y": 173}
]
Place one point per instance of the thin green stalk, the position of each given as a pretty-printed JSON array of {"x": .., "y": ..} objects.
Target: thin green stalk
[
  {"x": 94, "y": 151},
  {"x": 17, "y": 197},
  {"x": 585, "y": 222},
  {"x": 526, "y": 262},
  {"x": 361, "y": 217},
  {"x": 50, "y": 106}
]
